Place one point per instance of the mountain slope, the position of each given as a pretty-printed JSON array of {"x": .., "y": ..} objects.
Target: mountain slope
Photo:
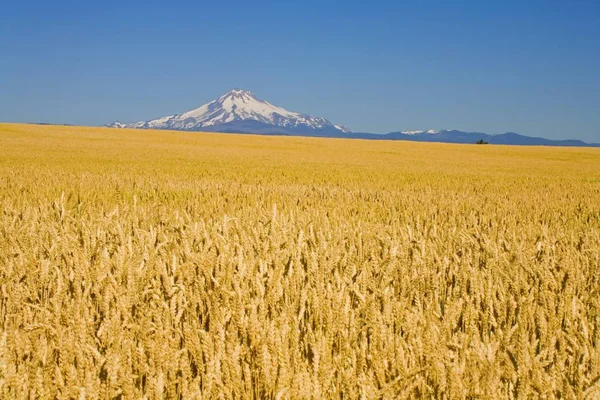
[
  {"x": 240, "y": 111},
  {"x": 454, "y": 136}
]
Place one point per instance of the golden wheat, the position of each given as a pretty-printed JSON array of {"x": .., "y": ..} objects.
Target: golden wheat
[{"x": 162, "y": 265}]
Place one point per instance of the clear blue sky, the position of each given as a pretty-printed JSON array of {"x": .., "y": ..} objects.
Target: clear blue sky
[{"x": 494, "y": 66}]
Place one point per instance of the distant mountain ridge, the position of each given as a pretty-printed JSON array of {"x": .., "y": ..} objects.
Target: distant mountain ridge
[
  {"x": 240, "y": 111},
  {"x": 511, "y": 138}
]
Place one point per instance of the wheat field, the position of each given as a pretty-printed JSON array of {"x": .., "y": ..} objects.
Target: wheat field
[{"x": 155, "y": 264}]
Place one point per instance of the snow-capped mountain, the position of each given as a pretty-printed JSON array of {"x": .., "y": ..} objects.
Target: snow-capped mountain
[
  {"x": 240, "y": 111},
  {"x": 429, "y": 132}
]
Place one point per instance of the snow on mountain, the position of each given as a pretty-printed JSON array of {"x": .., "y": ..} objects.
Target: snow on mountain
[
  {"x": 343, "y": 128},
  {"x": 116, "y": 124},
  {"x": 420, "y": 132},
  {"x": 234, "y": 107}
]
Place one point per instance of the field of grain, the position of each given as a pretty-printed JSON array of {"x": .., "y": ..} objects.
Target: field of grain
[{"x": 192, "y": 265}]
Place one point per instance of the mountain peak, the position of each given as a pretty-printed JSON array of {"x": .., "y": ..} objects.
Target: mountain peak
[
  {"x": 239, "y": 91},
  {"x": 238, "y": 94},
  {"x": 235, "y": 110}
]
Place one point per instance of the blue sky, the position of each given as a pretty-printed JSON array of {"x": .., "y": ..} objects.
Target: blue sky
[{"x": 494, "y": 66}]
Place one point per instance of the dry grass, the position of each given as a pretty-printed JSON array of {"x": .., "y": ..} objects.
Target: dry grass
[{"x": 162, "y": 264}]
